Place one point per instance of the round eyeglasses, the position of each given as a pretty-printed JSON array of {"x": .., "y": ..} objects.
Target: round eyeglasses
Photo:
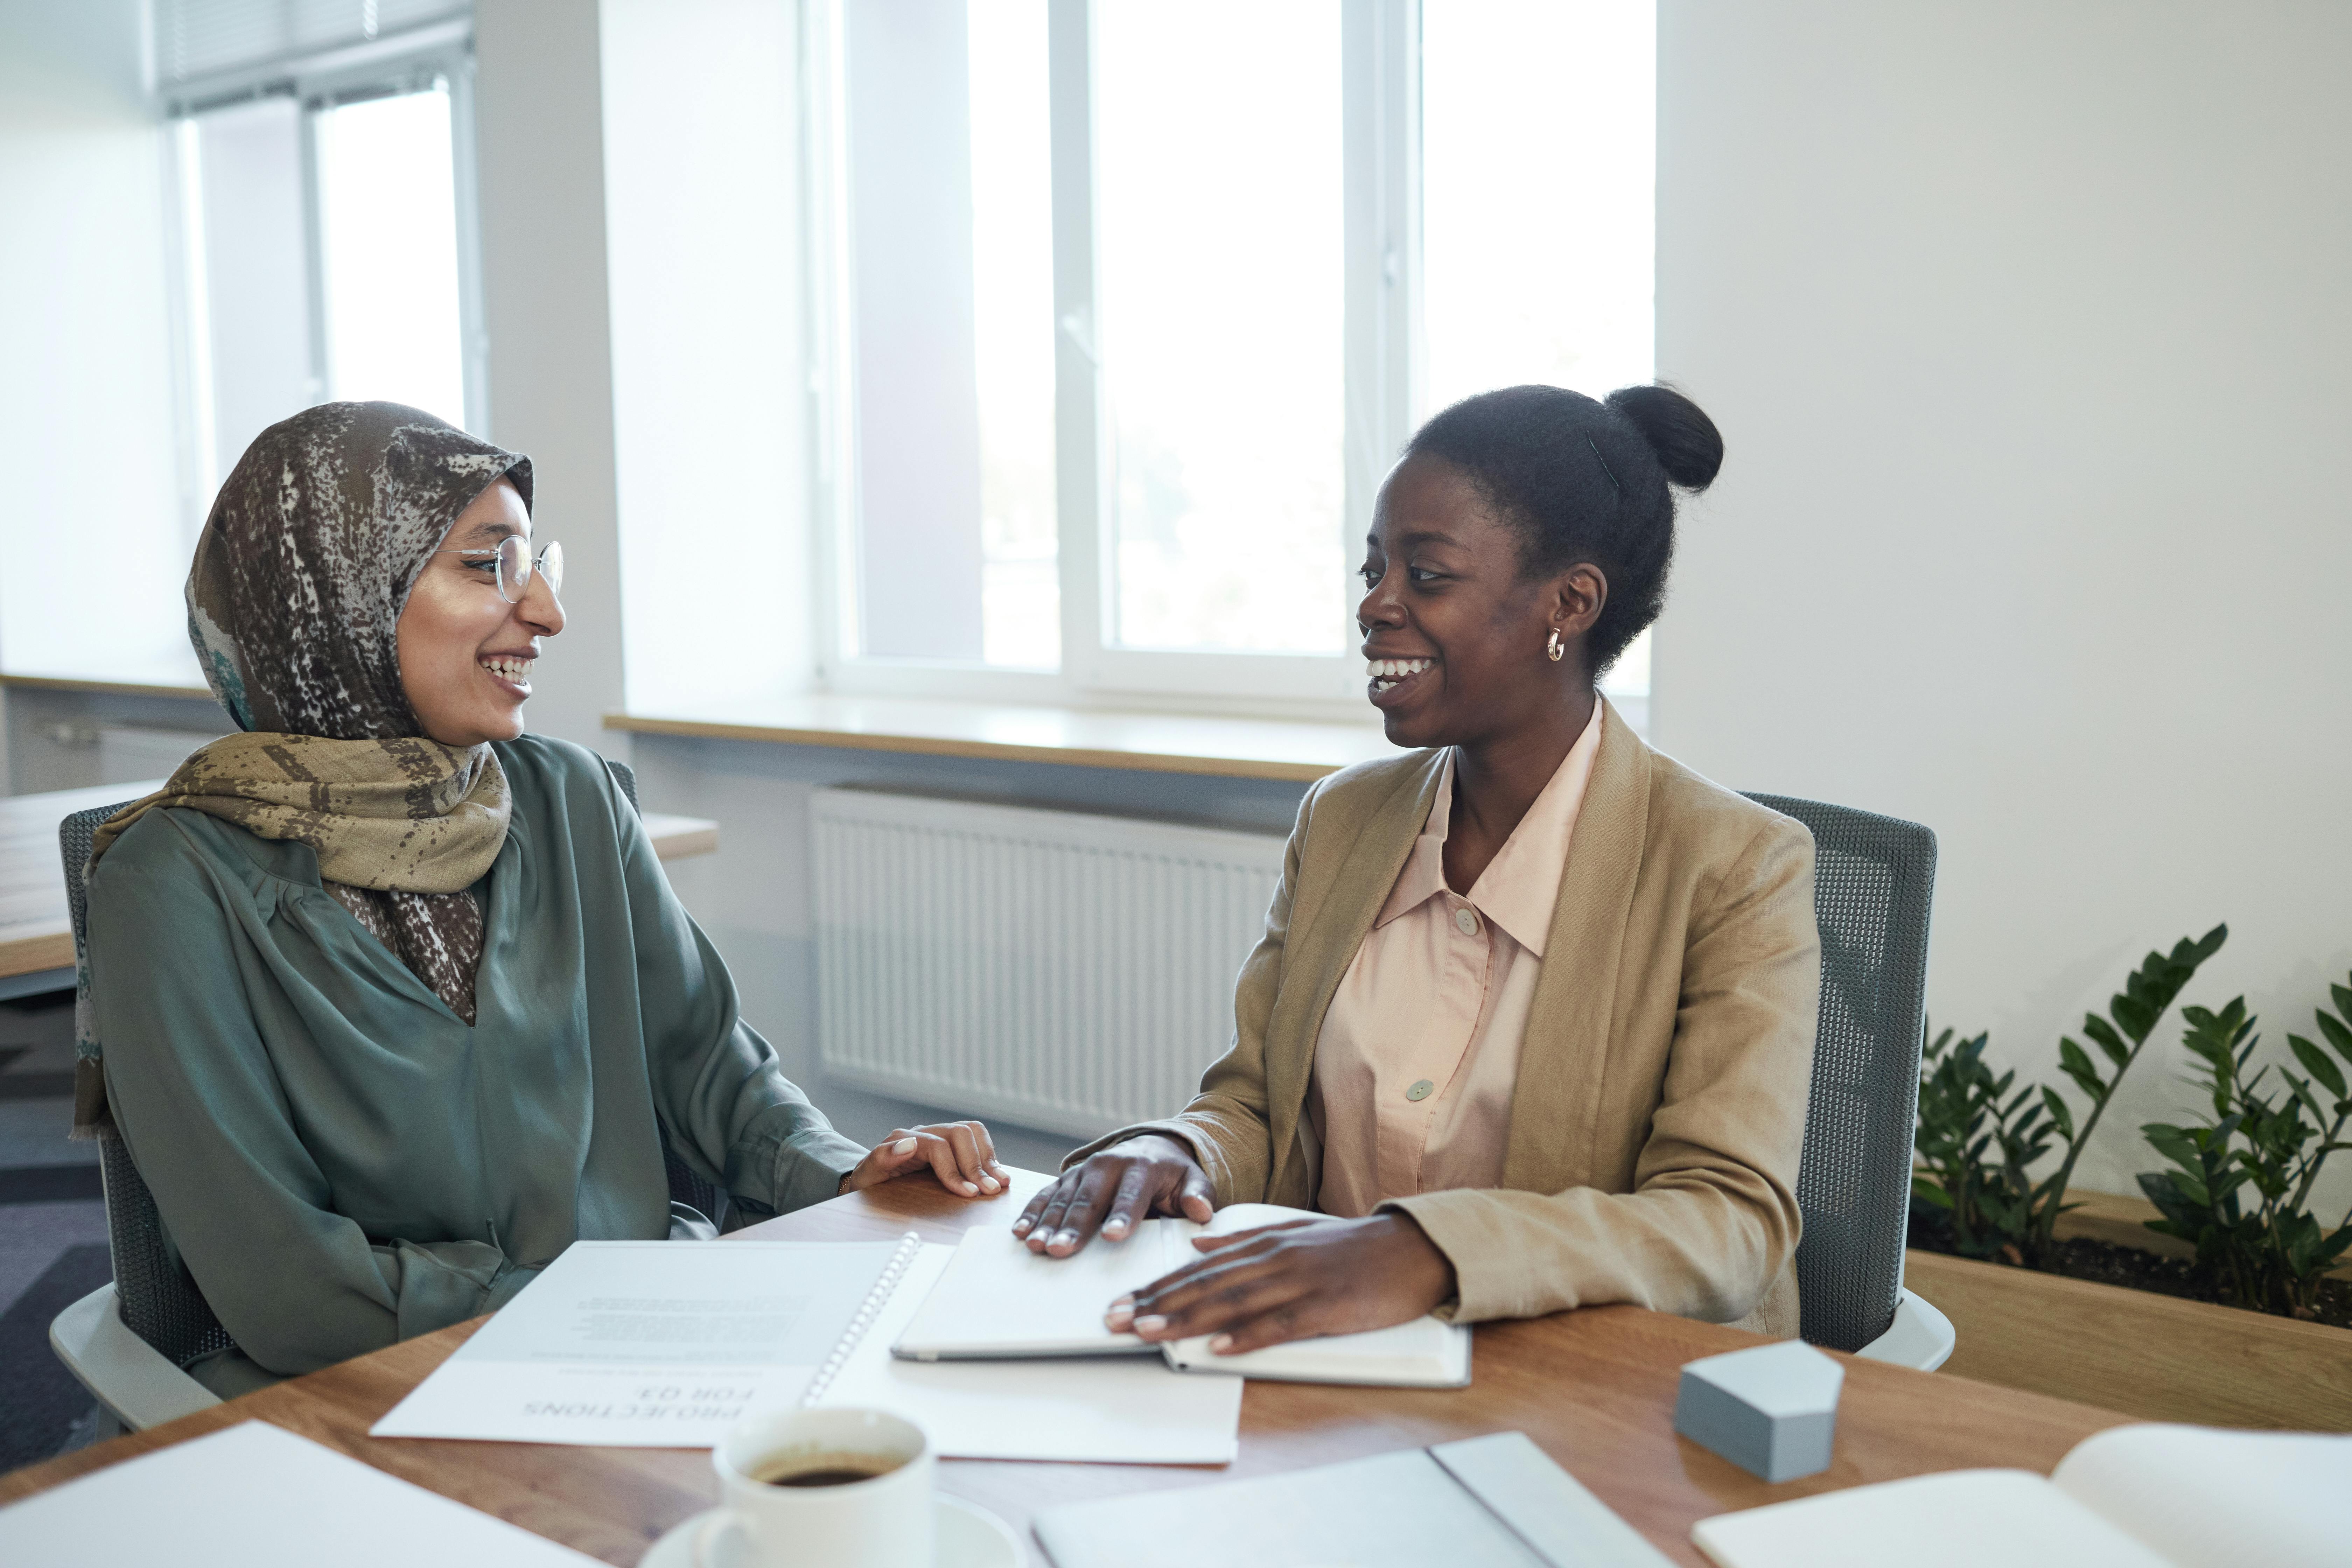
[{"x": 511, "y": 565}]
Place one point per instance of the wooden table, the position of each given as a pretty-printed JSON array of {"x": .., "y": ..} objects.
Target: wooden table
[
  {"x": 1594, "y": 1388},
  {"x": 35, "y": 931}
]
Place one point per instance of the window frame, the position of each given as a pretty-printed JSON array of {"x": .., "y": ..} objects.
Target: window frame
[
  {"x": 1379, "y": 103},
  {"x": 406, "y": 62},
  {"x": 1383, "y": 385}
]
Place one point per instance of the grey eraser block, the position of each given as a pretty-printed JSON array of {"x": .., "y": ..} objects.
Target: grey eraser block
[{"x": 1772, "y": 1411}]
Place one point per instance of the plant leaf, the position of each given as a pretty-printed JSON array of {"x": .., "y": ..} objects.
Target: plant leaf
[
  {"x": 2105, "y": 1037},
  {"x": 2175, "y": 1145},
  {"x": 2337, "y": 1035},
  {"x": 2076, "y": 1063},
  {"x": 2059, "y": 1114},
  {"x": 2137, "y": 1017}
]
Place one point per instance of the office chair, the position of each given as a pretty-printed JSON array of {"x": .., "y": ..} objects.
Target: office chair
[
  {"x": 127, "y": 1342},
  {"x": 1873, "y": 881}
]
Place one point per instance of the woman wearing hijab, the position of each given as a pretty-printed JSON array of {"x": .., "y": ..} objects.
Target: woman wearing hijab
[
  {"x": 391, "y": 1001},
  {"x": 1533, "y": 1016}
]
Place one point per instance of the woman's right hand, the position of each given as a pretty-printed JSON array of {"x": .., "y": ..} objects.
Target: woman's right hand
[{"x": 1152, "y": 1174}]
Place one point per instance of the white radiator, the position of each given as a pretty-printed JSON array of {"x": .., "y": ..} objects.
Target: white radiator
[{"x": 1061, "y": 970}]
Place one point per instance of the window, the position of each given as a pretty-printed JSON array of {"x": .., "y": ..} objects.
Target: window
[
  {"x": 1125, "y": 308},
  {"x": 324, "y": 245},
  {"x": 1218, "y": 176}
]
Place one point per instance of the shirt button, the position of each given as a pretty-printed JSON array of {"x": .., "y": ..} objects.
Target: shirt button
[
  {"x": 1466, "y": 922},
  {"x": 1420, "y": 1089}
]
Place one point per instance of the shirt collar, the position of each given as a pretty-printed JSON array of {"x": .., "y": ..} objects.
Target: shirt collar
[{"x": 1520, "y": 887}]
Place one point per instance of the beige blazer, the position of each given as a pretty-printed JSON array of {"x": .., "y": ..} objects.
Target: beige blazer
[{"x": 1662, "y": 1079}]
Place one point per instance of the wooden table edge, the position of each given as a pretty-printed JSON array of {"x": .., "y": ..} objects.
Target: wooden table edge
[{"x": 336, "y": 1406}]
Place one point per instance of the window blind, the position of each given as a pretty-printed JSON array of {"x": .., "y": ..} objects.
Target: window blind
[{"x": 195, "y": 39}]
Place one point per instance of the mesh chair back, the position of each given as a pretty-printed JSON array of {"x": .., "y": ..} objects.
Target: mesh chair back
[
  {"x": 1873, "y": 881},
  {"x": 152, "y": 1289},
  {"x": 155, "y": 1292}
]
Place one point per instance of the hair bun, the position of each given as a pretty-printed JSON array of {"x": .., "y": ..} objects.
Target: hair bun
[{"x": 1687, "y": 445}]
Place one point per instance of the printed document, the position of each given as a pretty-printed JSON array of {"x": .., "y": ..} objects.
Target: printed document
[{"x": 648, "y": 1343}]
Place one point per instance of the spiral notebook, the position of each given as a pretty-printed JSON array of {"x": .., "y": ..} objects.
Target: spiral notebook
[{"x": 669, "y": 1344}]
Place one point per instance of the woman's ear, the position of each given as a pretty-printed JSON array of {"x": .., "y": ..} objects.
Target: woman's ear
[{"x": 1577, "y": 596}]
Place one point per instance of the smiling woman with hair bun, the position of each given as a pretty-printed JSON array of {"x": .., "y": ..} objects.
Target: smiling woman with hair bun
[{"x": 1533, "y": 1017}]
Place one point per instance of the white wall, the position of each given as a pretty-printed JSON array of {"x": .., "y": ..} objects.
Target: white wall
[
  {"x": 2028, "y": 330},
  {"x": 709, "y": 384},
  {"x": 540, "y": 149},
  {"x": 87, "y": 433}
]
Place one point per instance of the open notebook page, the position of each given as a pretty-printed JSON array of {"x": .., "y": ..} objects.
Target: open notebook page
[
  {"x": 2210, "y": 1499},
  {"x": 999, "y": 1299},
  {"x": 1107, "y": 1409},
  {"x": 996, "y": 1298}
]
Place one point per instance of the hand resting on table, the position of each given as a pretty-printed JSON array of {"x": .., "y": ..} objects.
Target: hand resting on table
[
  {"x": 959, "y": 1153},
  {"x": 1252, "y": 1289}
]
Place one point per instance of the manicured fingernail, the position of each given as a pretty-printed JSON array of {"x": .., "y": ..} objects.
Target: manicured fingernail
[
  {"x": 1065, "y": 1238},
  {"x": 904, "y": 1145},
  {"x": 1118, "y": 1319},
  {"x": 970, "y": 1189},
  {"x": 1021, "y": 1226},
  {"x": 1115, "y": 1227},
  {"x": 1125, "y": 1303},
  {"x": 1150, "y": 1324},
  {"x": 1000, "y": 1169},
  {"x": 990, "y": 1184},
  {"x": 1221, "y": 1343}
]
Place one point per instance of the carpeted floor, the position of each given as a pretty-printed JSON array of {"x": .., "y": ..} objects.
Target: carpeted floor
[{"x": 52, "y": 1230}]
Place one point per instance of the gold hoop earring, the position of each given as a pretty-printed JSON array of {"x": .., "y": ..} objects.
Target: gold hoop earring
[{"x": 1552, "y": 646}]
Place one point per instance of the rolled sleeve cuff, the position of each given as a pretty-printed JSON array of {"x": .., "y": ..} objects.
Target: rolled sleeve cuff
[
  {"x": 810, "y": 1165},
  {"x": 1459, "y": 1225}
]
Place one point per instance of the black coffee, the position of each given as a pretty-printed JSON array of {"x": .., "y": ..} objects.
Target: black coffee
[{"x": 825, "y": 1469}]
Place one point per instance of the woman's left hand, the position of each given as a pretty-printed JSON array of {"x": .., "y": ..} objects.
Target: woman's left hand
[
  {"x": 959, "y": 1152},
  {"x": 1291, "y": 1281}
]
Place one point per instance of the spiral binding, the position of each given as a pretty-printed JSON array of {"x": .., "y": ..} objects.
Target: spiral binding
[{"x": 910, "y": 1247}]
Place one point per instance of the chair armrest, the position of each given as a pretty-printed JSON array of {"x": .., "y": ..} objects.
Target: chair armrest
[
  {"x": 1920, "y": 1337},
  {"x": 122, "y": 1371}
]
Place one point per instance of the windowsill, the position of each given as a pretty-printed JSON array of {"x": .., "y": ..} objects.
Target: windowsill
[
  {"x": 163, "y": 682},
  {"x": 1293, "y": 751}
]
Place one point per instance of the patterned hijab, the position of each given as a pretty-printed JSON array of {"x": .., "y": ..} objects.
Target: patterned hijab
[{"x": 294, "y": 601}]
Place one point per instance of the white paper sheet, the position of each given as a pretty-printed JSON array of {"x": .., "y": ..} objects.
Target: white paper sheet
[
  {"x": 255, "y": 1496},
  {"x": 1120, "y": 1409},
  {"x": 647, "y": 1343}
]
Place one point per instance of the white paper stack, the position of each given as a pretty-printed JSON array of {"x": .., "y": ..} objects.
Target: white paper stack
[{"x": 255, "y": 1496}]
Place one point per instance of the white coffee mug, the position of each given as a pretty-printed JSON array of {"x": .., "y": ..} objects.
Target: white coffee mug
[{"x": 786, "y": 1481}]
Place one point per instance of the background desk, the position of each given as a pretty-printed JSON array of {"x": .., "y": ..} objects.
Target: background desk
[
  {"x": 35, "y": 931},
  {"x": 1595, "y": 1389}
]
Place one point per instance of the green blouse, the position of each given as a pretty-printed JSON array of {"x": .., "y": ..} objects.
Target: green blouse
[{"x": 338, "y": 1159}]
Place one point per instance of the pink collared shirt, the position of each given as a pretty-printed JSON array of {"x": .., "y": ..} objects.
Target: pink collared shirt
[{"x": 1420, "y": 1050}]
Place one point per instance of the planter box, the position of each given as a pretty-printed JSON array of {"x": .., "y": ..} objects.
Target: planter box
[
  {"x": 2113, "y": 1217},
  {"x": 2156, "y": 1357}
]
